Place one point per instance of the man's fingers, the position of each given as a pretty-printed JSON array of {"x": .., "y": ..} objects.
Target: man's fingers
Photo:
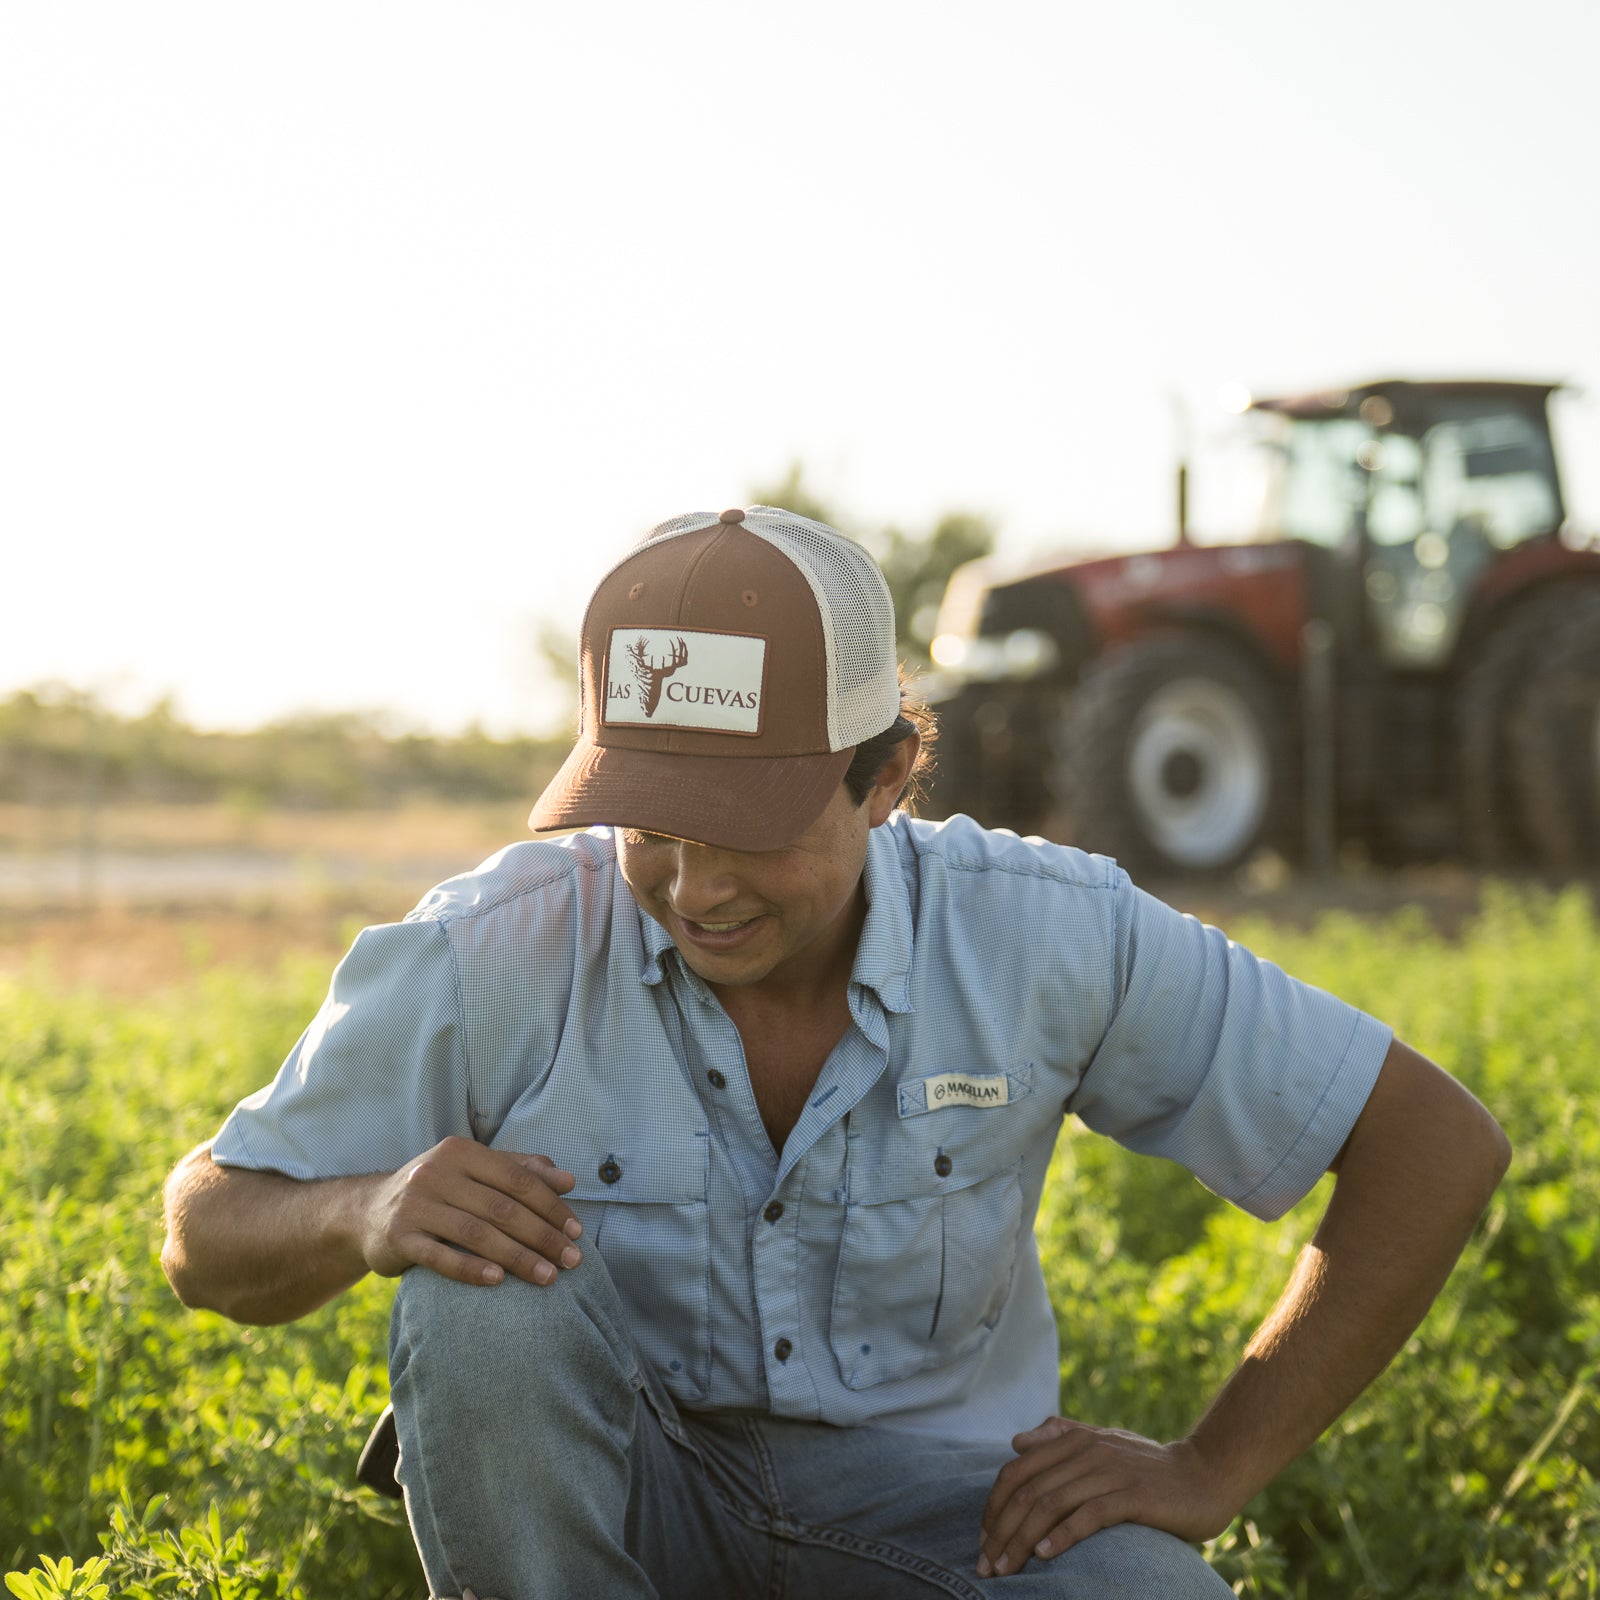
[
  {"x": 1072, "y": 1480},
  {"x": 519, "y": 1244},
  {"x": 423, "y": 1250},
  {"x": 1050, "y": 1428},
  {"x": 1050, "y": 1486},
  {"x": 1067, "y": 1507},
  {"x": 475, "y": 1214},
  {"x": 1104, "y": 1511},
  {"x": 535, "y": 1181},
  {"x": 493, "y": 1228},
  {"x": 557, "y": 1177},
  {"x": 497, "y": 1185},
  {"x": 1041, "y": 1449}
]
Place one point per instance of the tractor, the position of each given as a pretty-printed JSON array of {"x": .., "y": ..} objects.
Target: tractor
[{"x": 1404, "y": 661}]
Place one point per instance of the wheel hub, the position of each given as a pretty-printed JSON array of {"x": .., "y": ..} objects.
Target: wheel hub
[
  {"x": 1198, "y": 771},
  {"x": 1182, "y": 774}
]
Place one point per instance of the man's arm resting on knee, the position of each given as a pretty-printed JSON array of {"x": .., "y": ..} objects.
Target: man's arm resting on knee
[
  {"x": 1412, "y": 1180},
  {"x": 261, "y": 1247}
]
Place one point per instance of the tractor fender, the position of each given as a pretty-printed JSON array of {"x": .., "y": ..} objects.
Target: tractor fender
[{"x": 1255, "y": 596}]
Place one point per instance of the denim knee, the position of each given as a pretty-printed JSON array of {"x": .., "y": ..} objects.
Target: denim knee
[{"x": 528, "y": 1334}]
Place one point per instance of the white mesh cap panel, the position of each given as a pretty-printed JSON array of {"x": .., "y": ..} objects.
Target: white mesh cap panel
[
  {"x": 690, "y": 522},
  {"x": 857, "y": 620}
]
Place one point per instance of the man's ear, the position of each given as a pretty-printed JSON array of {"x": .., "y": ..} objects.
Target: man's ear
[{"x": 893, "y": 777}]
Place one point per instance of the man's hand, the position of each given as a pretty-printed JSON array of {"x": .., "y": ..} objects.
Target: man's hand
[
  {"x": 473, "y": 1214},
  {"x": 1070, "y": 1480},
  {"x": 1413, "y": 1177}
]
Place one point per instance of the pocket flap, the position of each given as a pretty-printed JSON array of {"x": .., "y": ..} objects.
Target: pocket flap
[{"x": 624, "y": 1170}]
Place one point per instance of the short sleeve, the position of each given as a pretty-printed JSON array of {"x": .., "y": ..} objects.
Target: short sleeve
[
  {"x": 1221, "y": 1061},
  {"x": 378, "y": 1077}
]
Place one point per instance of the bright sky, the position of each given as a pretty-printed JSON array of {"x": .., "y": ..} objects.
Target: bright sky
[{"x": 341, "y": 344}]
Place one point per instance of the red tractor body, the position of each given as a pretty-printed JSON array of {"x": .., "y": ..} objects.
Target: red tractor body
[{"x": 1407, "y": 657}]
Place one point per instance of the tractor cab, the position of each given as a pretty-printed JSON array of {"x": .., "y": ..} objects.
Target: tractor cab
[
  {"x": 1405, "y": 494},
  {"x": 1405, "y": 656}
]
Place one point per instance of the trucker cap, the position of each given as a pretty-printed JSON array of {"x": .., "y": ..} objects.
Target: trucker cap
[{"x": 730, "y": 665}]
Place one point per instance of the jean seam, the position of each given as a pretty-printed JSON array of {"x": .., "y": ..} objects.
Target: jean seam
[
  {"x": 785, "y": 1531},
  {"x": 886, "y": 1555},
  {"x": 442, "y": 1542}
]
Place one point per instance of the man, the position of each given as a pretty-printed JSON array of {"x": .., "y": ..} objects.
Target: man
[{"x": 709, "y": 1143}]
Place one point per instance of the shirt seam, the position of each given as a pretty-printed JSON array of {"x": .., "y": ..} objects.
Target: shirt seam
[
  {"x": 463, "y": 1035},
  {"x": 1313, "y": 1116},
  {"x": 443, "y": 915},
  {"x": 1014, "y": 869}
]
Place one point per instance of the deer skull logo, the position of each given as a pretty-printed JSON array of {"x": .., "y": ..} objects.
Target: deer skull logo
[{"x": 651, "y": 674}]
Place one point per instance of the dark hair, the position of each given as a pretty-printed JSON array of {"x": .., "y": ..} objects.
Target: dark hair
[{"x": 872, "y": 755}]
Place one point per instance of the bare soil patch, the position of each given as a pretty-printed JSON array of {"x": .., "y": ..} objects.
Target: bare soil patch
[{"x": 166, "y": 892}]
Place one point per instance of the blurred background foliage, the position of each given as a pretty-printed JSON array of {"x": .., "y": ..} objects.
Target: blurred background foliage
[
  {"x": 56, "y": 742},
  {"x": 916, "y": 565},
  {"x": 59, "y": 743}
]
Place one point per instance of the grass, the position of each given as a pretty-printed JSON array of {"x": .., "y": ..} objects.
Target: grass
[{"x": 1467, "y": 1470}]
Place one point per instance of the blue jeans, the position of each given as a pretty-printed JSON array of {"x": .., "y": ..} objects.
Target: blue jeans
[{"x": 541, "y": 1461}]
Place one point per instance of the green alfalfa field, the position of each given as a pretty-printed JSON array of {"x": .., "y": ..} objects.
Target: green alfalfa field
[{"x": 146, "y": 1450}]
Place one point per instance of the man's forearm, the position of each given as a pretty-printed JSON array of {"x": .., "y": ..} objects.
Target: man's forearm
[
  {"x": 1412, "y": 1181},
  {"x": 1413, "y": 1178},
  {"x": 260, "y": 1247}
]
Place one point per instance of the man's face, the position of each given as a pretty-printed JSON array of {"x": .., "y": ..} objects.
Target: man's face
[
  {"x": 740, "y": 916},
  {"x": 743, "y": 916}
]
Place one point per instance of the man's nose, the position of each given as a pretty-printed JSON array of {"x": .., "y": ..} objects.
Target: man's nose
[{"x": 702, "y": 880}]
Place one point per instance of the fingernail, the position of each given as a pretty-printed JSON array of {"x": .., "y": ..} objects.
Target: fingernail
[
  {"x": 1002, "y": 1566},
  {"x": 1042, "y": 1548},
  {"x": 570, "y": 1257},
  {"x": 573, "y": 1228},
  {"x": 544, "y": 1272},
  {"x": 492, "y": 1273},
  {"x": 984, "y": 1569}
]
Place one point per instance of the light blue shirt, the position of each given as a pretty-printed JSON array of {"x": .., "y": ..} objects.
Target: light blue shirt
[{"x": 881, "y": 1268}]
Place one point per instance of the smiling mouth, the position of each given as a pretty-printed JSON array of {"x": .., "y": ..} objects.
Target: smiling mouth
[{"x": 724, "y": 933}]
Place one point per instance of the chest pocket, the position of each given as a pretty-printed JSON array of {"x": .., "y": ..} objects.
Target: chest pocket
[
  {"x": 644, "y": 1211},
  {"x": 933, "y": 1215}
]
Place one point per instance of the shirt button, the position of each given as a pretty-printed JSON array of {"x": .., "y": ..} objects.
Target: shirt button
[
  {"x": 942, "y": 1164},
  {"x": 717, "y": 1080},
  {"x": 783, "y": 1349},
  {"x": 774, "y": 1211},
  {"x": 610, "y": 1171}
]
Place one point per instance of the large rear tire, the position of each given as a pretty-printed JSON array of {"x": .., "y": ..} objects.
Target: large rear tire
[
  {"x": 1493, "y": 823},
  {"x": 1175, "y": 758},
  {"x": 1555, "y": 735}
]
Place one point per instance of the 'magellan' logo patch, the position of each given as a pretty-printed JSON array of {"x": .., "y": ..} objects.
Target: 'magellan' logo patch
[{"x": 678, "y": 678}]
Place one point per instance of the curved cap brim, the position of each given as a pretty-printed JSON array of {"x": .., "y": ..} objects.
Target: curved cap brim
[{"x": 732, "y": 802}]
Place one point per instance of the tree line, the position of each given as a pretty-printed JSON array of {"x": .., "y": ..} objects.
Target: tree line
[{"x": 60, "y": 745}]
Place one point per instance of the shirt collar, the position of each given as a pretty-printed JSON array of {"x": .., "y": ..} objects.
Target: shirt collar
[{"x": 883, "y": 958}]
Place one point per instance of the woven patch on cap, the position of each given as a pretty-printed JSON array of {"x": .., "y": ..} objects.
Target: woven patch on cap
[{"x": 677, "y": 678}]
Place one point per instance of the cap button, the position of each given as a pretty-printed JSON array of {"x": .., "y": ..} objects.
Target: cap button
[{"x": 735, "y": 515}]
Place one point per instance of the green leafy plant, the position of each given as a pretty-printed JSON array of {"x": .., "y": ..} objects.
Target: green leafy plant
[{"x": 1468, "y": 1470}]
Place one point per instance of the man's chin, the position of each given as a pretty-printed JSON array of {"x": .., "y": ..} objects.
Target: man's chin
[{"x": 723, "y": 970}]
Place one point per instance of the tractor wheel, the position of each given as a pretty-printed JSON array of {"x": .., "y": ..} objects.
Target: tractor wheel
[
  {"x": 1492, "y": 817},
  {"x": 1555, "y": 729},
  {"x": 1175, "y": 758}
]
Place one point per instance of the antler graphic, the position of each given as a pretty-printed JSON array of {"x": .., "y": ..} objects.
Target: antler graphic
[{"x": 652, "y": 674}]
